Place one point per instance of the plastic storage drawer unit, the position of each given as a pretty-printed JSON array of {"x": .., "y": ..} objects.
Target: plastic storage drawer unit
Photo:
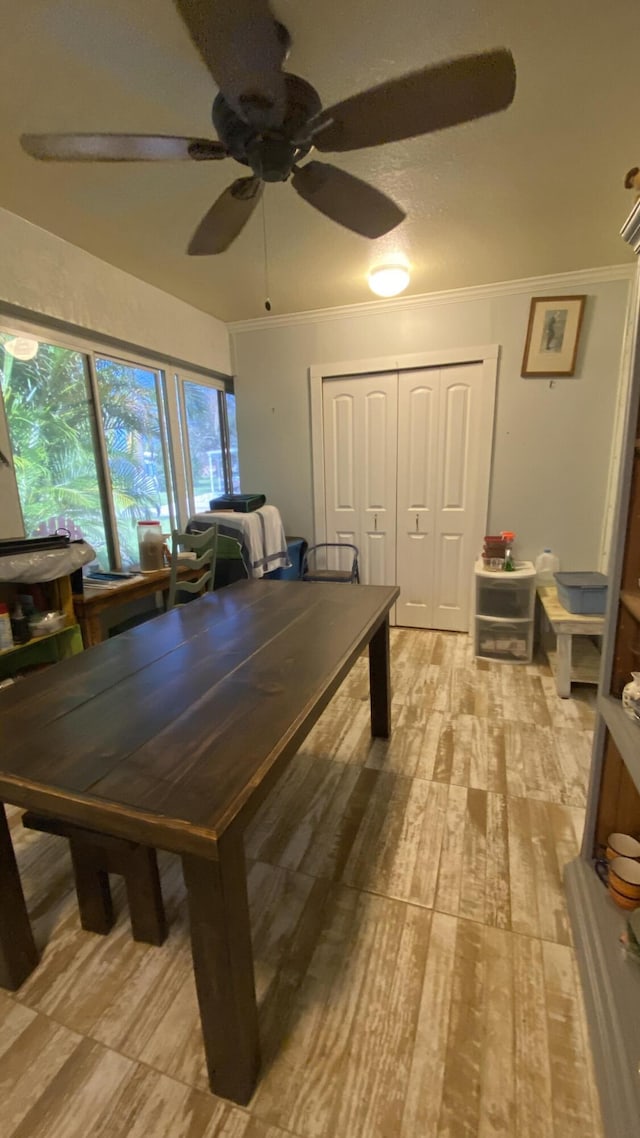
[
  {"x": 504, "y": 596},
  {"x": 504, "y": 640},
  {"x": 504, "y": 611},
  {"x": 582, "y": 592}
]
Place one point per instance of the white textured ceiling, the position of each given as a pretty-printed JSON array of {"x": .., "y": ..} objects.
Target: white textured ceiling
[{"x": 535, "y": 190}]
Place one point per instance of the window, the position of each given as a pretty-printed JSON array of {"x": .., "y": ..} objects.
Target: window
[
  {"x": 99, "y": 443},
  {"x": 133, "y": 427},
  {"x": 202, "y": 438},
  {"x": 52, "y": 432}
]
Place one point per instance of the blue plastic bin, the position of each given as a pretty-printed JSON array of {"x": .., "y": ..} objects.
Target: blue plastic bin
[
  {"x": 296, "y": 548},
  {"x": 582, "y": 592}
]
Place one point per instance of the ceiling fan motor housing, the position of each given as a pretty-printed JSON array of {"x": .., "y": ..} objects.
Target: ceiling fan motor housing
[
  {"x": 270, "y": 155},
  {"x": 234, "y": 132},
  {"x": 271, "y": 159}
]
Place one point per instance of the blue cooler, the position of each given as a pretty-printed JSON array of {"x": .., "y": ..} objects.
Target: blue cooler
[
  {"x": 296, "y": 548},
  {"x": 584, "y": 593}
]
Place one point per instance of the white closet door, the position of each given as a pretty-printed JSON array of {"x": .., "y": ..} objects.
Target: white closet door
[
  {"x": 439, "y": 425},
  {"x": 360, "y": 457},
  {"x": 418, "y": 422},
  {"x": 460, "y": 424}
]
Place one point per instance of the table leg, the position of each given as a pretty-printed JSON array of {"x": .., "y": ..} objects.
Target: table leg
[
  {"x": 380, "y": 682},
  {"x": 144, "y": 894},
  {"x": 223, "y": 967},
  {"x": 18, "y": 953},
  {"x": 92, "y": 888},
  {"x": 91, "y": 629},
  {"x": 563, "y": 664}
]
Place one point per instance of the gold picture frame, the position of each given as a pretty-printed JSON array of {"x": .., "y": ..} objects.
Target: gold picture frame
[{"x": 551, "y": 346}]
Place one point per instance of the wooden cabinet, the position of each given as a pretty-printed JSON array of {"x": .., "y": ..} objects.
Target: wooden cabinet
[
  {"x": 611, "y": 978},
  {"x": 53, "y": 596}
]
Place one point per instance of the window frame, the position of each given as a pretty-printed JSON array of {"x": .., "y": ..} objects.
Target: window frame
[
  {"x": 169, "y": 379},
  {"x": 179, "y": 430},
  {"x": 159, "y": 382}
]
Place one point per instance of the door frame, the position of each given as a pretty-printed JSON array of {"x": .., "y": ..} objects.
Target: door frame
[{"x": 487, "y": 355}]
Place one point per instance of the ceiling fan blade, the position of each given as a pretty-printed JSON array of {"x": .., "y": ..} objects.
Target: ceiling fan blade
[
  {"x": 119, "y": 147},
  {"x": 226, "y": 218},
  {"x": 422, "y": 101},
  {"x": 243, "y": 48},
  {"x": 347, "y": 200}
]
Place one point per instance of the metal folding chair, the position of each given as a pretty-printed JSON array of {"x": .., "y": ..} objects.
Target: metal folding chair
[{"x": 312, "y": 569}]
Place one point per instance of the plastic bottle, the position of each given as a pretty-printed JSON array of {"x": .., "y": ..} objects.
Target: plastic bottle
[
  {"x": 150, "y": 544},
  {"x": 6, "y": 639},
  {"x": 546, "y": 565},
  {"x": 19, "y": 625},
  {"x": 508, "y": 566}
]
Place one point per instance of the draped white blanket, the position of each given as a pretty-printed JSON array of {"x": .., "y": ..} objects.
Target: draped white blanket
[{"x": 260, "y": 533}]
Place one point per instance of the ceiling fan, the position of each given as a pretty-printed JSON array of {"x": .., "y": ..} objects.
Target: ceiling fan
[{"x": 269, "y": 119}]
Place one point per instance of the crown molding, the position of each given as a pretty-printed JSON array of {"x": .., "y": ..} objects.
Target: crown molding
[{"x": 580, "y": 278}]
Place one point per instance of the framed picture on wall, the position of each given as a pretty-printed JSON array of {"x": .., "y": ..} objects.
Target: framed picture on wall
[{"x": 551, "y": 346}]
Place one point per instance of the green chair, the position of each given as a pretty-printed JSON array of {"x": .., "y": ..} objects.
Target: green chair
[
  {"x": 205, "y": 547},
  {"x": 230, "y": 566}
]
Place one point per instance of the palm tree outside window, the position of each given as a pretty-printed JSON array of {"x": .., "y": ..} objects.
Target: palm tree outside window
[{"x": 93, "y": 446}]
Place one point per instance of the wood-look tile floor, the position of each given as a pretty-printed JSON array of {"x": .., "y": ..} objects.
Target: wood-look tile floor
[{"x": 414, "y": 966}]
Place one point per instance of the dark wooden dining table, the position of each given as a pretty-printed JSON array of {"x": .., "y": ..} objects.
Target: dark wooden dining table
[{"x": 171, "y": 735}]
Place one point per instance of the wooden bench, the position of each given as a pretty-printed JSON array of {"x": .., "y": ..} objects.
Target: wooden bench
[
  {"x": 573, "y": 656},
  {"x": 93, "y": 857}
]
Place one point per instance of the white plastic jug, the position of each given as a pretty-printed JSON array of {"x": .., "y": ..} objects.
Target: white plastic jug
[{"x": 546, "y": 565}]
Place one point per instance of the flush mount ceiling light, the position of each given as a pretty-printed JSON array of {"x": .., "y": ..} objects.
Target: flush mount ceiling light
[
  {"x": 22, "y": 347},
  {"x": 389, "y": 279}
]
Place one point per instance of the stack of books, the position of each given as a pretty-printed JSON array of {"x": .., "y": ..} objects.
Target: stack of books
[{"x": 106, "y": 580}]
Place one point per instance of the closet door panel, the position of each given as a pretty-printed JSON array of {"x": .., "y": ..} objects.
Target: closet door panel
[
  {"x": 418, "y": 419},
  {"x": 450, "y": 567},
  {"x": 413, "y": 607},
  {"x": 375, "y": 557},
  {"x": 340, "y": 443},
  {"x": 456, "y": 410},
  {"x": 460, "y": 418},
  {"x": 361, "y": 437},
  {"x": 378, "y": 479},
  {"x": 378, "y": 450}
]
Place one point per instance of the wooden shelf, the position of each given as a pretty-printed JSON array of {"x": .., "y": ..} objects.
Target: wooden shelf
[
  {"x": 585, "y": 661},
  {"x": 631, "y": 602},
  {"x": 611, "y": 978},
  {"x": 611, "y": 984},
  {"x": 625, "y": 733},
  {"x": 37, "y": 640}
]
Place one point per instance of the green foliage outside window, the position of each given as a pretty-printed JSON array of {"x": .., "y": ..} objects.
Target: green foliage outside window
[{"x": 49, "y": 416}]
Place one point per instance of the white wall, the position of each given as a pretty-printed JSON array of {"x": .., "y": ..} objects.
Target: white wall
[
  {"x": 47, "y": 275},
  {"x": 552, "y": 442}
]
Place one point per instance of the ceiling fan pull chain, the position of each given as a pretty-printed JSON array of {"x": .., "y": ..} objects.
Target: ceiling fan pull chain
[{"x": 267, "y": 302}]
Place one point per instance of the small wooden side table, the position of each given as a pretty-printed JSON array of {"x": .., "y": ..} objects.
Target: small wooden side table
[
  {"x": 578, "y": 660},
  {"x": 89, "y": 607}
]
